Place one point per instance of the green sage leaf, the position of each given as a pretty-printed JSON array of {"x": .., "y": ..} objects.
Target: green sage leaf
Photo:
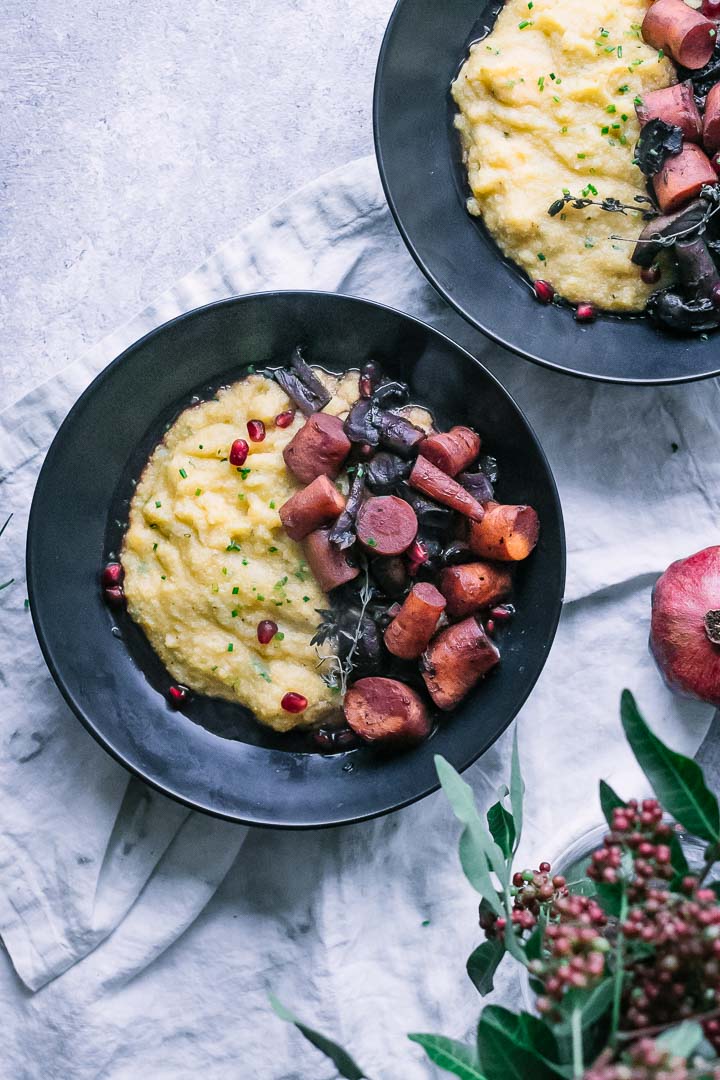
[
  {"x": 452, "y": 1056},
  {"x": 342, "y": 1061},
  {"x": 593, "y": 1005},
  {"x": 502, "y": 827},
  {"x": 610, "y": 897},
  {"x": 677, "y": 780},
  {"x": 517, "y": 789},
  {"x": 609, "y": 801},
  {"x": 483, "y": 963},
  {"x": 682, "y": 1040},
  {"x": 515, "y": 1046},
  {"x": 477, "y": 848}
]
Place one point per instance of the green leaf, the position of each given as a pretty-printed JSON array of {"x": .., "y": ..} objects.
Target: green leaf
[
  {"x": 515, "y": 1047},
  {"x": 502, "y": 827},
  {"x": 677, "y": 780},
  {"x": 483, "y": 963},
  {"x": 517, "y": 789},
  {"x": 609, "y": 801},
  {"x": 533, "y": 945},
  {"x": 609, "y": 897},
  {"x": 593, "y": 1004},
  {"x": 677, "y": 857},
  {"x": 682, "y": 1040},
  {"x": 342, "y": 1061},
  {"x": 453, "y": 1056},
  {"x": 477, "y": 848}
]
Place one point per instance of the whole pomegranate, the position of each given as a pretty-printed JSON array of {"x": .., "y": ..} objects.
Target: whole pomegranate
[{"x": 685, "y": 625}]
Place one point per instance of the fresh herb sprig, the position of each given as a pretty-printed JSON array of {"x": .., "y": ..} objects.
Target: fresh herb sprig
[
  {"x": 585, "y": 1029},
  {"x": 613, "y": 206},
  {"x": 342, "y": 666}
]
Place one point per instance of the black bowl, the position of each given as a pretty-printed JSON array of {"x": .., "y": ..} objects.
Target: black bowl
[
  {"x": 419, "y": 156},
  {"x": 213, "y": 755}
]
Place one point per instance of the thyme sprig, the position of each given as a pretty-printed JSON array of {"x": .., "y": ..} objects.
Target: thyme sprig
[
  {"x": 613, "y": 206},
  {"x": 342, "y": 669}
]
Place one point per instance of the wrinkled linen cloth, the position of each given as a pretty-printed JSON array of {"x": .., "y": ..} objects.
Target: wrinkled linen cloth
[{"x": 142, "y": 939}]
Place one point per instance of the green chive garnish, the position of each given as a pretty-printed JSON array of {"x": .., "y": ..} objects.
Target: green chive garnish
[{"x": 183, "y": 473}]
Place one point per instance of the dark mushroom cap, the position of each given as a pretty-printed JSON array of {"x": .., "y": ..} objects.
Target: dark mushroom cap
[{"x": 659, "y": 228}]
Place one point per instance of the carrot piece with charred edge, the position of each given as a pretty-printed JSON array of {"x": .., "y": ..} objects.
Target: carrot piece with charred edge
[
  {"x": 416, "y": 622},
  {"x": 327, "y": 562},
  {"x": 433, "y": 482},
  {"x": 317, "y": 504},
  {"x": 318, "y": 448},
  {"x": 471, "y": 586},
  {"x": 386, "y": 710},
  {"x": 676, "y": 28},
  {"x": 507, "y": 533},
  {"x": 682, "y": 176},
  {"x": 452, "y": 451},
  {"x": 456, "y": 659},
  {"x": 386, "y": 525}
]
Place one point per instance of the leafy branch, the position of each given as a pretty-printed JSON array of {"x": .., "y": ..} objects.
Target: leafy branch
[
  {"x": 612, "y": 206},
  {"x": 343, "y": 667}
]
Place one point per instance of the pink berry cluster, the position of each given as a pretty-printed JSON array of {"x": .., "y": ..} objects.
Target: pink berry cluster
[
  {"x": 575, "y": 949},
  {"x": 640, "y": 829},
  {"x": 530, "y": 889},
  {"x": 681, "y": 977},
  {"x": 644, "y": 1060}
]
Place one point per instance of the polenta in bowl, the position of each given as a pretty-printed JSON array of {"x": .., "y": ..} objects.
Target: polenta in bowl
[{"x": 591, "y": 153}]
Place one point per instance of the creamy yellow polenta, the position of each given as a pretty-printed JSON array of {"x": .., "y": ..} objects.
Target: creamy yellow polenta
[
  {"x": 546, "y": 105},
  {"x": 206, "y": 557}
]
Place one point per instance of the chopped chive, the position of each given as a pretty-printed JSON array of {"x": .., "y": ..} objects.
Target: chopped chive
[
  {"x": 540, "y": 256},
  {"x": 271, "y": 504},
  {"x": 623, "y": 140},
  {"x": 563, "y": 131},
  {"x": 611, "y": 109},
  {"x": 541, "y": 83},
  {"x": 306, "y": 599},
  {"x": 623, "y": 89},
  {"x": 371, "y": 541},
  {"x": 215, "y": 588},
  {"x": 581, "y": 156},
  {"x": 524, "y": 23},
  {"x": 615, "y": 127},
  {"x": 260, "y": 596},
  {"x": 637, "y": 101},
  {"x": 281, "y": 583},
  {"x": 604, "y": 130},
  {"x": 272, "y": 550},
  {"x": 235, "y": 590},
  {"x": 619, "y": 52},
  {"x": 154, "y": 547},
  {"x": 623, "y": 117},
  {"x": 244, "y": 473},
  {"x": 660, "y": 55},
  {"x": 234, "y": 613},
  {"x": 233, "y": 546},
  {"x": 552, "y": 75},
  {"x": 198, "y": 491},
  {"x": 200, "y": 446},
  {"x": 158, "y": 504},
  {"x": 604, "y": 33},
  {"x": 163, "y": 577},
  {"x": 279, "y": 636},
  {"x": 589, "y": 243},
  {"x": 245, "y": 562},
  {"x": 609, "y": 48},
  {"x": 555, "y": 97},
  {"x": 183, "y": 473},
  {"x": 230, "y": 647}
]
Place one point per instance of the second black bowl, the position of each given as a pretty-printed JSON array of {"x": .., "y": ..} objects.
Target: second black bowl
[{"x": 419, "y": 156}]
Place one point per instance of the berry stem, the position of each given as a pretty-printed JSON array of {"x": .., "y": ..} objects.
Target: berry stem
[
  {"x": 619, "y": 966},
  {"x": 657, "y": 1029},
  {"x": 577, "y": 1043}
]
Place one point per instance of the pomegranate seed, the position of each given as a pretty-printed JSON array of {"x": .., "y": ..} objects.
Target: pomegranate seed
[
  {"x": 284, "y": 419},
  {"x": 239, "y": 452},
  {"x": 266, "y": 631},
  {"x": 112, "y": 574},
  {"x": 294, "y": 703},
  {"x": 177, "y": 695},
  {"x": 711, "y": 9},
  {"x": 585, "y": 313},
  {"x": 114, "y": 595},
  {"x": 490, "y": 626},
  {"x": 256, "y": 430},
  {"x": 502, "y": 612},
  {"x": 544, "y": 292},
  {"x": 651, "y": 274},
  {"x": 418, "y": 553}
]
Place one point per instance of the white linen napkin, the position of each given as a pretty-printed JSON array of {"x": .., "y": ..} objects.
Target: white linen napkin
[{"x": 149, "y": 944}]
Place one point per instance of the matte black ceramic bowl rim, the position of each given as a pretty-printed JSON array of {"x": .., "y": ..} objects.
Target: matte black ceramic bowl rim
[
  {"x": 76, "y": 705},
  {"x": 446, "y": 295}
]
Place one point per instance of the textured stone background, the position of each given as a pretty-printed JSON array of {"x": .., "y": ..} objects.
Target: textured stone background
[{"x": 138, "y": 135}]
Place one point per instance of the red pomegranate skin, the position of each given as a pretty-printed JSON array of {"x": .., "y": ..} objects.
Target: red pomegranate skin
[{"x": 688, "y": 661}]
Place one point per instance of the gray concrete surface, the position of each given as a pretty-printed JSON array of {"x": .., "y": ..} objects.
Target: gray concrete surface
[{"x": 138, "y": 135}]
